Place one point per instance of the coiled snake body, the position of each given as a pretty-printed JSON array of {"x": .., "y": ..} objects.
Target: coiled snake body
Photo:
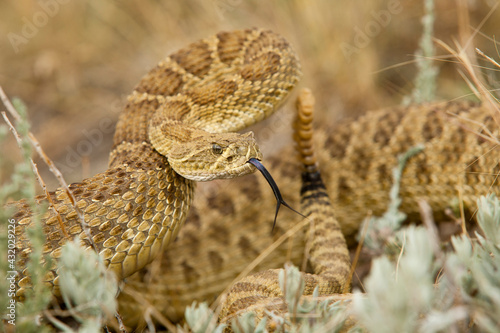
[
  {"x": 460, "y": 162},
  {"x": 224, "y": 84},
  {"x": 175, "y": 129}
]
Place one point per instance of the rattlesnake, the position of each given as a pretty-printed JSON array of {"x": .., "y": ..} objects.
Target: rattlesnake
[
  {"x": 211, "y": 250},
  {"x": 175, "y": 129},
  {"x": 327, "y": 252},
  {"x": 460, "y": 161}
]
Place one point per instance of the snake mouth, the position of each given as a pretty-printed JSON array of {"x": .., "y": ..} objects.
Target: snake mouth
[{"x": 279, "y": 199}]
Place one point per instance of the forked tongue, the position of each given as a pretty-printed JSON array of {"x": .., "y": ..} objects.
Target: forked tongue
[{"x": 276, "y": 190}]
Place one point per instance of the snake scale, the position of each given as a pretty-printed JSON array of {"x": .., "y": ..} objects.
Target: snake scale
[
  {"x": 139, "y": 204},
  {"x": 460, "y": 161},
  {"x": 176, "y": 128}
]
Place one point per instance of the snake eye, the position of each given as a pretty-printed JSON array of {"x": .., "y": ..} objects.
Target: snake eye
[{"x": 216, "y": 149}]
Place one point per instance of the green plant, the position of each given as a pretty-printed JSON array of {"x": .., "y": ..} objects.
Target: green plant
[
  {"x": 425, "y": 81},
  {"x": 87, "y": 288},
  {"x": 22, "y": 185}
]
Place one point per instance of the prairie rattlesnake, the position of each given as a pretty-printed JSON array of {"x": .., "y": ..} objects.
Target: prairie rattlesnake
[
  {"x": 140, "y": 200},
  {"x": 175, "y": 126}
]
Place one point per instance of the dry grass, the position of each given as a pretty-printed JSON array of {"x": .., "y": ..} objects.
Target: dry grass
[{"x": 76, "y": 70}]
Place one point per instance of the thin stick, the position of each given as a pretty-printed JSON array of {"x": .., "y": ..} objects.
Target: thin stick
[
  {"x": 34, "y": 168},
  {"x": 120, "y": 323},
  {"x": 55, "y": 171}
]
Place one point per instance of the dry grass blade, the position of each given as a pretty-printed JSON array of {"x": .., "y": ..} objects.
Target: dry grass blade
[
  {"x": 151, "y": 309},
  {"x": 490, "y": 59},
  {"x": 430, "y": 225},
  {"x": 259, "y": 259},
  {"x": 476, "y": 83},
  {"x": 357, "y": 254}
]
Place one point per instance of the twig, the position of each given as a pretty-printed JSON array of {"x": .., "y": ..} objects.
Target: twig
[
  {"x": 55, "y": 171},
  {"x": 37, "y": 174},
  {"x": 120, "y": 323}
]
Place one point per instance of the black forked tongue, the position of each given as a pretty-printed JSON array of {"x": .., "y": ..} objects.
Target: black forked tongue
[{"x": 276, "y": 190}]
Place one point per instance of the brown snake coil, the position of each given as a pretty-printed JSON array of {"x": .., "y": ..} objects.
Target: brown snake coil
[
  {"x": 460, "y": 161},
  {"x": 174, "y": 129},
  {"x": 218, "y": 242},
  {"x": 327, "y": 252}
]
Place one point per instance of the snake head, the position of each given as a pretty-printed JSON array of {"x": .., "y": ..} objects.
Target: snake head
[{"x": 202, "y": 156}]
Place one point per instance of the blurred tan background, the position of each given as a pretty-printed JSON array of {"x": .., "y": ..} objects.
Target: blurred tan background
[{"x": 74, "y": 62}]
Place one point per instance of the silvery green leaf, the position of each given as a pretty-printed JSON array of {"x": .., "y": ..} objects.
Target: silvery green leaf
[
  {"x": 294, "y": 286},
  {"x": 84, "y": 280},
  {"x": 488, "y": 217}
]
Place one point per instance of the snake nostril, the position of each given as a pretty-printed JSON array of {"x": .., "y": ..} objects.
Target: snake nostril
[{"x": 230, "y": 159}]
